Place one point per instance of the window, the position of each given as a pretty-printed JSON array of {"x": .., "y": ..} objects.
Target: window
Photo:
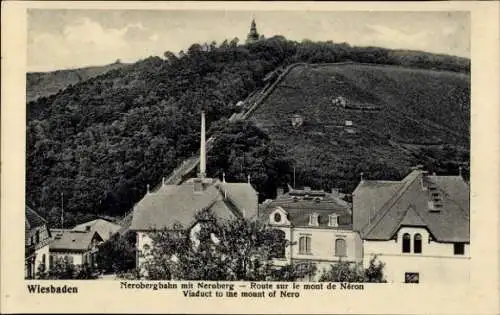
[
  {"x": 313, "y": 219},
  {"x": 334, "y": 220},
  {"x": 417, "y": 244},
  {"x": 340, "y": 248},
  {"x": 411, "y": 277},
  {"x": 146, "y": 247},
  {"x": 458, "y": 248},
  {"x": 406, "y": 243},
  {"x": 277, "y": 217},
  {"x": 37, "y": 237},
  {"x": 305, "y": 245},
  {"x": 51, "y": 261},
  {"x": 43, "y": 260}
]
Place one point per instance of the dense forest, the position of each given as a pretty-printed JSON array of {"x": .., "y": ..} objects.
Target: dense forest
[{"x": 97, "y": 144}]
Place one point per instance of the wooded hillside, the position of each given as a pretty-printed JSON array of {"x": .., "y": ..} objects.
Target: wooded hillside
[{"x": 102, "y": 140}]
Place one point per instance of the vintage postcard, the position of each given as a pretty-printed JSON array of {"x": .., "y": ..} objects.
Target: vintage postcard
[{"x": 250, "y": 157}]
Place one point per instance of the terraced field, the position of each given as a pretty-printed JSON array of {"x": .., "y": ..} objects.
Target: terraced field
[{"x": 390, "y": 112}]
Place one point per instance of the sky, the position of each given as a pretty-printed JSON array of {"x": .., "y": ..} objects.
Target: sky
[{"x": 62, "y": 39}]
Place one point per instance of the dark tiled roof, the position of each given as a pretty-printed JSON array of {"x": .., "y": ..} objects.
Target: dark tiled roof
[
  {"x": 103, "y": 227},
  {"x": 32, "y": 219},
  {"x": 299, "y": 210},
  {"x": 68, "y": 240},
  {"x": 408, "y": 205},
  {"x": 243, "y": 196},
  {"x": 178, "y": 204}
]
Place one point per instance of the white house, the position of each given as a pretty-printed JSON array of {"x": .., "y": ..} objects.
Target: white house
[
  {"x": 418, "y": 226},
  {"x": 174, "y": 207},
  {"x": 317, "y": 224},
  {"x": 77, "y": 247},
  {"x": 37, "y": 237}
]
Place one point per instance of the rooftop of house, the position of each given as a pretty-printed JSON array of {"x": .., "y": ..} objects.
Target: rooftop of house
[
  {"x": 437, "y": 203},
  {"x": 70, "y": 240},
  {"x": 177, "y": 205},
  {"x": 105, "y": 228},
  {"x": 301, "y": 204},
  {"x": 32, "y": 219}
]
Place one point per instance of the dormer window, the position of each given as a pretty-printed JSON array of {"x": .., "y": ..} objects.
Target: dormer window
[
  {"x": 314, "y": 219},
  {"x": 333, "y": 220}
]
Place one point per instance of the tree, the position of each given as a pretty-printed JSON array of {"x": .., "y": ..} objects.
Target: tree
[
  {"x": 218, "y": 250},
  {"x": 375, "y": 271},
  {"x": 344, "y": 271},
  {"x": 64, "y": 269},
  {"x": 118, "y": 253},
  {"x": 244, "y": 149}
]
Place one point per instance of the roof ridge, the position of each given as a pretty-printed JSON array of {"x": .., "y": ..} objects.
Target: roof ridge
[
  {"x": 390, "y": 202},
  {"x": 36, "y": 214}
]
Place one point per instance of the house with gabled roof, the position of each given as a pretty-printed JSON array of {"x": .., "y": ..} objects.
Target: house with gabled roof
[
  {"x": 36, "y": 250},
  {"x": 76, "y": 247},
  {"x": 104, "y": 228},
  {"x": 418, "y": 226},
  {"x": 318, "y": 224},
  {"x": 174, "y": 207}
]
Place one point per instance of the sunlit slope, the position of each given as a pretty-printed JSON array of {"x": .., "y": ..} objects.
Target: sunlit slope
[{"x": 393, "y": 111}]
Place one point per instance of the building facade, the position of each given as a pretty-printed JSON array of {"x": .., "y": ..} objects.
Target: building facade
[
  {"x": 76, "y": 247},
  {"x": 419, "y": 227},
  {"x": 318, "y": 225},
  {"x": 36, "y": 251}
]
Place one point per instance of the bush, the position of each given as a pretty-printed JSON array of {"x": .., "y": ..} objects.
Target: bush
[{"x": 344, "y": 271}]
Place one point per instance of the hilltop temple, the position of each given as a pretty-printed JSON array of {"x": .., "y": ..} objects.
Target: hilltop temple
[{"x": 253, "y": 35}]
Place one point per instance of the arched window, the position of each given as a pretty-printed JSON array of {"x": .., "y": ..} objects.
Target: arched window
[
  {"x": 340, "y": 248},
  {"x": 37, "y": 237},
  {"x": 417, "y": 244},
  {"x": 406, "y": 243},
  {"x": 305, "y": 245},
  {"x": 43, "y": 260}
]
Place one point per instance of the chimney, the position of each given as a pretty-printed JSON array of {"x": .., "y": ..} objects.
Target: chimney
[
  {"x": 198, "y": 185},
  {"x": 202, "y": 148},
  {"x": 279, "y": 192}
]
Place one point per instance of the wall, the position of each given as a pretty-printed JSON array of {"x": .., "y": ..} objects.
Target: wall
[
  {"x": 36, "y": 249},
  {"x": 322, "y": 247},
  {"x": 39, "y": 257},
  {"x": 436, "y": 263},
  {"x": 142, "y": 239}
]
